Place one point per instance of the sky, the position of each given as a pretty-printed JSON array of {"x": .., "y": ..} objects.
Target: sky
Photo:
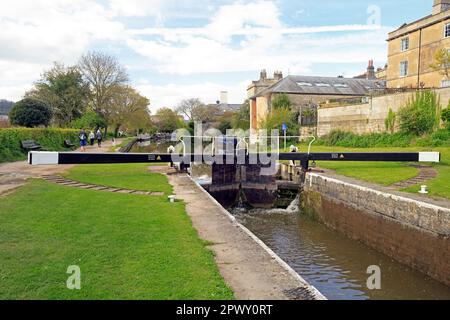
[{"x": 178, "y": 49}]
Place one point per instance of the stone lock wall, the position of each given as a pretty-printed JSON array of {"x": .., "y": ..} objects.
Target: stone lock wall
[{"x": 412, "y": 232}]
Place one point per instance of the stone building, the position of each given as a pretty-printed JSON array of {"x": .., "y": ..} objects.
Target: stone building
[
  {"x": 412, "y": 49},
  {"x": 305, "y": 92}
]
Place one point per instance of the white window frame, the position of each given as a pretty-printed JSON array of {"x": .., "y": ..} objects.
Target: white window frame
[
  {"x": 322, "y": 84},
  {"x": 405, "y": 44},
  {"x": 447, "y": 30},
  {"x": 304, "y": 84},
  {"x": 445, "y": 83},
  {"x": 403, "y": 63}
]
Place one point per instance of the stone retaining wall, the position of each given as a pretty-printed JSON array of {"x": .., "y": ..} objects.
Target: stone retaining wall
[
  {"x": 412, "y": 232},
  {"x": 369, "y": 117}
]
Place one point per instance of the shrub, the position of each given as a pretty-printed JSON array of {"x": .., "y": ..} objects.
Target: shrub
[
  {"x": 445, "y": 116},
  {"x": 50, "y": 139},
  {"x": 421, "y": 114},
  {"x": 436, "y": 139},
  {"x": 282, "y": 101},
  {"x": 390, "y": 121},
  {"x": 351, "y": 140},
  {"x": 30, "y": 113},
  {"x": 276, "y": 119}
]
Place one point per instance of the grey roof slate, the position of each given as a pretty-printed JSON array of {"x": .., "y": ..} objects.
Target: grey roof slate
[{"x": 323, "y": 86}]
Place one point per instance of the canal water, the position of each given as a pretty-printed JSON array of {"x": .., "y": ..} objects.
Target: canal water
[{"x": 334, "y": 264}]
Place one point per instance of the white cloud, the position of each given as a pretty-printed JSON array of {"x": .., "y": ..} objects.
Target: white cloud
[
  {"x": 36, "y": 33},
  {"x": 232, "y": 18},
  {"x": 241, "y": 37},
  {"x": 53, "y": 30},
  {"x": 130, "y": 8},
  {"x": 248, "y": 37}
]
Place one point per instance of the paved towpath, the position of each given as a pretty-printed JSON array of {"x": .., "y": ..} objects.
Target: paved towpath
[
  {"x": 249, "y": 267},
  {"x": 425, "y": 173}
]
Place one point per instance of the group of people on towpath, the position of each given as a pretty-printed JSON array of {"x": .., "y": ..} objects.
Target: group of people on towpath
[{"x": 83, "y": 137}]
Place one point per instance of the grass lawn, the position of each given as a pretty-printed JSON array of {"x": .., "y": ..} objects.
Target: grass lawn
[
  {"x": 386, "y": 173},
  {"x": 126, "y": 176},
  {"x": 127, "y": 246}
]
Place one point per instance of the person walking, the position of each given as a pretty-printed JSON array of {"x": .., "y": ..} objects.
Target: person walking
[
  {"x": 92, "y": 137},
  {"x": 83, "y": 140},
  {"x": 99, "y": 138}
]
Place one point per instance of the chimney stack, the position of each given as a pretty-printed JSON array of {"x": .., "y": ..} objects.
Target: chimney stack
[
  {"x": 440, "y": 6},
  {"x": 224, "y": 97},
  {"x": 263, "y": 74},
  {"x": 371, "y": 71},
  {"x": 278, "y": 75}
]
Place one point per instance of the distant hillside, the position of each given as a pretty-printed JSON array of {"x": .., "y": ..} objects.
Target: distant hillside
[{"x": 5, "y": 106}]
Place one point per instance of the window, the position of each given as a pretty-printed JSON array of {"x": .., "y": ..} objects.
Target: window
[
  {"x": 304, "y": 84},
  {"x": 321, "y": 84},
  {"x": 445, "y": 83},
  {"x": 340, "y": 85},
  {"x": 403, "y": 68},
  {"x": 405, "y": 44},
  {"x": 447, "y": 30}
]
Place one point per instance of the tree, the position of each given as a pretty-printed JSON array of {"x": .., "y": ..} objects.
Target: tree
[
  {"x": 421, "y": 114},
  {"x": 225, "y": 122},
  {"x": 167, "y": 120},
  {"x": 188, "y": 107},
  {"x": 204, "y": 113},
  {"x": 241, "y": 119},
  {"x": 89, "y": 120},
  {"x": 282, "y": 101},
  {"x": 442, "y": 62},
  {"x": 104, "y": 74},
  {"x": 128, "y": 108},
  {"x": 64, "y": 91},
  {"x": 30, "y": 113}
]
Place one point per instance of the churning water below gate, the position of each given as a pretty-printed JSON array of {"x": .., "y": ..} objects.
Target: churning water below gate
[{"x": 334, "y": 264}]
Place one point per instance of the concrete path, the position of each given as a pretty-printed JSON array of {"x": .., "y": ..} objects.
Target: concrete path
[{"x": 249, "y": 267}]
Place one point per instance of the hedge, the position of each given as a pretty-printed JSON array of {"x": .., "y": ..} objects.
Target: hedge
[{"x": 49, "y": 139}]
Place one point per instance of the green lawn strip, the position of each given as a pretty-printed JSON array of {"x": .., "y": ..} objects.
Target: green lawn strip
[
  {"x": 386, "y": 173},
  {"x": 440, "y": 186},
  {"x": 127, "y": 246},
  {"x": 383, "y": 173},
  {"x": 127, "y": 176}
]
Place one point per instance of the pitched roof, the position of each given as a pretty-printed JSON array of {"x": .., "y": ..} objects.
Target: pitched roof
[{"x": 323, "y": 86}]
